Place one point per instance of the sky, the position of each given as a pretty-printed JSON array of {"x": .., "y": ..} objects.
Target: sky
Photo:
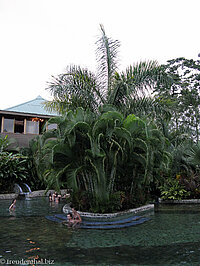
[{"x": 40, "y": 38}]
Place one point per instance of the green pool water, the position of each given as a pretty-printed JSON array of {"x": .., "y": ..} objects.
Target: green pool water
[{"x": 170, "y": 237}]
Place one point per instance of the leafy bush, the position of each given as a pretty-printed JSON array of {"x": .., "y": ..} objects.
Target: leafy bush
[
  {"x": 173, "y": 190},
  {"x": 191, "y": 182},
  {"x": 84, "y": 202},
  {"x": 13, "y": 169},
  {"x": 113, "y": 204}
]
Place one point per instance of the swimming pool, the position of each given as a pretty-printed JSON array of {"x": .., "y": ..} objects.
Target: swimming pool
[{"x": 171, "y": 237}]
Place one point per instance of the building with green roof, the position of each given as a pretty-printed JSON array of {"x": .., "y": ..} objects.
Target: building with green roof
[
  {"x": 35, "y": 106},
  {"x": 25, "y": 121}
]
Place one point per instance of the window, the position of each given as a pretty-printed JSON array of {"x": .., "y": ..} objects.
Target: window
[
  {"x": 8, "y": 125},
  {"x": 32, "y": 127},
  {"x": 52, "y": 126}
]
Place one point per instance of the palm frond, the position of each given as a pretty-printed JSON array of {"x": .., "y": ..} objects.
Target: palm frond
[
  {"x": 141, "y": 78},
  {"x": 76, "y": 87},
  {"x": 106, "y": 52},
  {"x": 194, "y": 154}
]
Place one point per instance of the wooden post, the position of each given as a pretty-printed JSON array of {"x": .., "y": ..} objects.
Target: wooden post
[
  {"x": 2, "y": 124},
  {"x": 24, "y": 125}
]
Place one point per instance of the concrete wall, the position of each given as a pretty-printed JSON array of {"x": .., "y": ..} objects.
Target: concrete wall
[{"x": 22, "y": 140}]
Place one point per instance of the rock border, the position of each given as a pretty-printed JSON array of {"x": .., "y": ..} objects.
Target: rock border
[
  {"x": 41, "y": 193},
  {"x": 112, "y": 215},
  {"x": 8, "y": 196}
]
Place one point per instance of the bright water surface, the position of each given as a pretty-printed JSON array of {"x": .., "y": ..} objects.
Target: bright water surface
[{"x": 170, "y": 237}]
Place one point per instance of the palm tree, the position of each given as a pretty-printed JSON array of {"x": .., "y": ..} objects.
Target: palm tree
[
  {"x": 94, "y": 154},
  {"x": 81, "y": 88},
  {"x": 85, "y": 154}
]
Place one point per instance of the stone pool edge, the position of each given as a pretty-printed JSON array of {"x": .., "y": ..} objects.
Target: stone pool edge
[
  {"x": 184, "y": 201},
  {"x": 111, "y": 215},
  {"x": 33, "y": 194}
]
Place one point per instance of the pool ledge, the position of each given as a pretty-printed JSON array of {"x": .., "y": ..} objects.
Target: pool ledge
[
  {"x": 109, "y": 215},
  {"x": 186, "y": 201},
  {"x": 8, "y": 196},
  {"x": 33, "y": 194}
]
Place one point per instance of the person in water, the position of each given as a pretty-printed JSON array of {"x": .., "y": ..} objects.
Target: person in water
[
  {"x": 12, "y": 206},
  {"x": 66, "y": 196},
  {"x": 56, "y": 197},
  {"x": 50, "y": 197}
]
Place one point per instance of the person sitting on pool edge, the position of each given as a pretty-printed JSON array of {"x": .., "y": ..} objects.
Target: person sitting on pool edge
[
  {"x": 73, "y": 219},
  {"x": 70, "y": 221},
  {"x": 76, "y": 216}
]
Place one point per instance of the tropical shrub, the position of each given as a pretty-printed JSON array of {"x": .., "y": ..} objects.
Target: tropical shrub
[
  {"x": 15, "y": 166},
  {"x": 191, "y": 182},
  {"x": 99, "y": 155},
  {"x": 34, "y": 174},
  {"x": 173, "y": 190},
  {"x": 13, "y": 169}
]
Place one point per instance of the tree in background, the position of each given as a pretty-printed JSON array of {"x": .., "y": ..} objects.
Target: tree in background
[
  {"x": 182, "y": 96},
  {"x": 182, "y": 100}
]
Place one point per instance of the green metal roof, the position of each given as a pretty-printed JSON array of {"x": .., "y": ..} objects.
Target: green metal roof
[{"x": 35, "y": 106}]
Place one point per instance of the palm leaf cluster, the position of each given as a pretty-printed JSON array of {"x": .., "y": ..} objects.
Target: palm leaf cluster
[
  {"x": 79, "y": 87},
  {"x": 95, "y": 154}
]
